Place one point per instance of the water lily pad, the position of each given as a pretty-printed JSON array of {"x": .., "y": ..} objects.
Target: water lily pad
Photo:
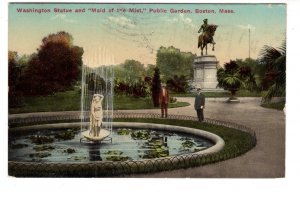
[
  {"x": 69, "y": 150},
  {"x": 114, "y": 152},
  {"x": 43, "y": 148},
  {"x": 154, "y": 143},
  {"x": 156, "y": 153},
  {"x": 185, "y": 139},
  {"x": 117, "y": 158},
  {"x": 123, "y": 132},
  {"x": 17, "y": 146},
  {"x": 41, "y": 139},
  {"x": 188, "y": 144},
  {"x": 116, "y": 155},
  {"x": 183, "y": 150},
  {"x": 140, "y": 135},
  {"x": 77, "y": 158},
  {"x": 67, "y": 135},
  {"x": 40, "y": 154}
]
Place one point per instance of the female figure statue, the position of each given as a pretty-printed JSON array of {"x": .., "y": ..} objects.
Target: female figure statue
[{"x": 96, "y": 115}]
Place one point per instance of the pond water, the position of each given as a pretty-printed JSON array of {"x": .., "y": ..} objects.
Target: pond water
[{"x": 127, "y": 144}]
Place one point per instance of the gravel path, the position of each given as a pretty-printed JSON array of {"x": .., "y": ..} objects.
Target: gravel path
[{"x": 266, "y": 160}]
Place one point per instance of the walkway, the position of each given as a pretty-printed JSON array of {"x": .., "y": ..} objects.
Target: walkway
[{"x": 266, "y": 160}]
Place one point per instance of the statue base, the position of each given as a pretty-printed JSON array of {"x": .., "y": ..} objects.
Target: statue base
[
  {"x": 102, "y": 135},
  {"x": 205, "y": 72}
]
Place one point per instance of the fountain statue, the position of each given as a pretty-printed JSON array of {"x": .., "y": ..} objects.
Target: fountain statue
[
  {"x": 96, "y": 115},
  {"x": 96, "y": 132}
]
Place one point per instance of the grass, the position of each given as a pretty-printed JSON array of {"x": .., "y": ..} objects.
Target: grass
[
  {"x": 125, "y": 102},
  {"x": 70, "y": 101},
  {"x": 278, "y": 105},
  {"x": 61, "y": 101},
  {"x": 240, "y": 93}
]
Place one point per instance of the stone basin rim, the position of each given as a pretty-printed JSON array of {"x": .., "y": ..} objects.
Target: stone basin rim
[{"x": 217, "y": 140}]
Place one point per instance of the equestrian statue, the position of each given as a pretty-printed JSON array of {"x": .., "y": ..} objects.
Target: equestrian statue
[{"x": 208, "y": 31}]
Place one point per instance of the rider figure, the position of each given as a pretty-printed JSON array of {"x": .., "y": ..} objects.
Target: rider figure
[{"x": 204, "y": 28}]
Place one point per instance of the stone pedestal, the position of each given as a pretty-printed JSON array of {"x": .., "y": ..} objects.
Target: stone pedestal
[{"x": 205, "y": 72}]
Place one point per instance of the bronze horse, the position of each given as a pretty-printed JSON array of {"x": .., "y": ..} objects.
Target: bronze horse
[{"x": 207, "y": 37}]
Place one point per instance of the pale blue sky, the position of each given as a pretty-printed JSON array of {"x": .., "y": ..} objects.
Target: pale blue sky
[{"x": 113, "y": 37}]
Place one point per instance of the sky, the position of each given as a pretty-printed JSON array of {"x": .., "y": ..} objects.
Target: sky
[{"x": 112, "y": 37}]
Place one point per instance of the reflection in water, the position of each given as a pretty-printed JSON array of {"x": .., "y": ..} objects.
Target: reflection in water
[{"x": 94, "y": 152}]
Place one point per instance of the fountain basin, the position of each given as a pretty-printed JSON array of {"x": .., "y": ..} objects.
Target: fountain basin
[
  {"x": 112, "y": 168},
  {"x": 210, "y": 143}
]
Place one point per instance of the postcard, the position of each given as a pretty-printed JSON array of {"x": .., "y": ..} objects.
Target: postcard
[{"x": 164, "y": 90}]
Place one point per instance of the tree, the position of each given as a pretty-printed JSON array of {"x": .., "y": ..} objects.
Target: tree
[
  {"x": 256, "y": 71},
  {"x": 130, "y": 79},
  {"x": 95, "y": 83},
  {"x": 156, "y": 87},
  {"x": 275, "y": 76},
  {"x": 55, "y": 67},
  {"x": 131, "y": 71},
  {"x": 171, "y": 61},
  {"x": 14, "y": 75},
  {"x": 233, "y": 76},
  {"x": 13, "y": 71},
  {"x": 150, "y": 70},
  {"x": 178, "y": 84},
  {"x": 248, "y": 78}
]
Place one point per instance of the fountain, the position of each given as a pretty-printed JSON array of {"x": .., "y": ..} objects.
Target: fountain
[
  {"x": 96, "y": 100},
  {"x": 97, "y": 95}
]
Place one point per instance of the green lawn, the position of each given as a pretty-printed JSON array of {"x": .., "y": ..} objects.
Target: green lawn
[
  {"x": 277, "y": 105},
  {"x": 70, "y": 101},
  {"x": 240, "y": 93},
  {"x": 62, "y": 101},
  {"x": 125, "y": 102}
]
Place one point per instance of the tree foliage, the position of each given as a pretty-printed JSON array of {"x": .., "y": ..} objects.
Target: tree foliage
[
  {"x": 130, "y": 79},
  {"x": 150, "y": 70},
  {"x": 131, "y": 71},
  {"x": 55, "y": 67},
  {"x": 233, "y": 76},
  {"x": 14, "y": 75},
  {"x": 13, "y": 70},
  {"x": 135, "y": 89},
  {"x": 95, "y": 83},
  {"x": 178, "y": 84},
  {"x": 257, "y": 70},
  {"x": 274, "y": 79},
  {"x": 171, "y": 61}
]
